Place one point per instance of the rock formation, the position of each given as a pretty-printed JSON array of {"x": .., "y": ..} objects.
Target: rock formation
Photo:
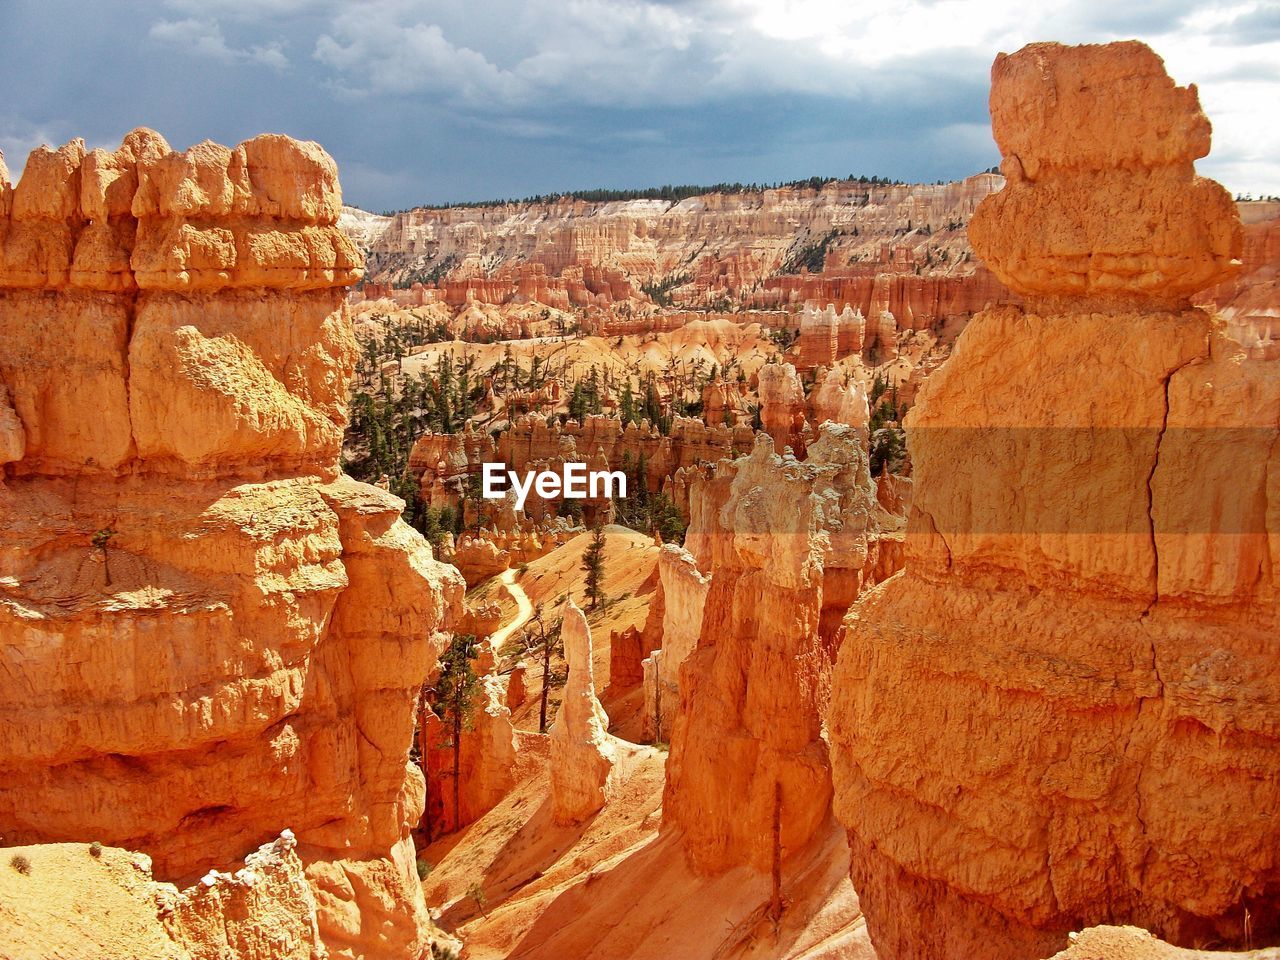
[
  {"x": 826, "y": 336},
  {"x": 582, "y": 754},
  {"x": 265, "y": 909},
  {"x": 442, "y": 461},
  {"x": 782, "y": 407},
  {"x": 787, "y": 541},
  {"x": 684, "y": 598},
  {"x": 82, "y": 900},
  {"x": 486, "y": 760},
  {"x": 1250, "y": 302},
  {"x": 207, "y": 634},
  {"x": 838, "y": 397},
  {"x": 1132, "y": 943},
  {"x": 517, "y": 685},
  {"x": 899, "y": 244},
  {"x": 1064, "y": 712}
]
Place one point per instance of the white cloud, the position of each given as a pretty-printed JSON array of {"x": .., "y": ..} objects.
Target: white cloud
[
  {"x": 390, "y": 58},
  {"x": 205, "y": 38}
]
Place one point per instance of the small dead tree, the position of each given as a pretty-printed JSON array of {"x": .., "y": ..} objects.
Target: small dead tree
[{"x": 100, "y": 540}]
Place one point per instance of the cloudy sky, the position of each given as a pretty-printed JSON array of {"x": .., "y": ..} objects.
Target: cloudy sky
[{"x": 448, "y": 100}]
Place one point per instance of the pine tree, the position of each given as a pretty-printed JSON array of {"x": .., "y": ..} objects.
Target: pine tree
[
  {"x": 627, "y": 404},
  {"x": 549, "y": 638},
  {"x": 593, "y": 566},
  {"x": 453, "y": 696}
]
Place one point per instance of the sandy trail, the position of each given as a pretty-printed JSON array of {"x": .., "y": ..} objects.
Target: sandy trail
[{"x": 524, "y": 610}]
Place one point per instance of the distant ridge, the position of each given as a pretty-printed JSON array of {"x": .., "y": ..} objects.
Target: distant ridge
[{"x": 668, "y": 192}]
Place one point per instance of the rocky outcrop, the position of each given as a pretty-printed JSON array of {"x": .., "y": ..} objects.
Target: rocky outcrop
[
  {"x": 1132, "y": 943},
  {"x": 827, "y": 336},
  {"x": 1250, "y": 302},
  {"x": 90, "y": 900},
  {"x": 442, "y": 461},
  {"x": 486, "y": 759},
  {"x": 750, "y": 247},
  {"x": 582, "y": 753},
  {"x": 839, "y": 397},
  {"x": 265, "y": 909},
  {"x": 684, "y": 598},
  {"x": 787, "y": 541},
  {"x": 782, "y": 407},
  {"x": 206, "y": 634},
  {"x": 1064, "y": 712}
]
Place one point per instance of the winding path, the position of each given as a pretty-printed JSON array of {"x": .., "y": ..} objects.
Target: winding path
[{"x": 524, "y": 610}]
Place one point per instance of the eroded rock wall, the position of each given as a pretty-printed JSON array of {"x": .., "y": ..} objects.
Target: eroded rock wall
[
  {"x": 206, "y": 634},
  {"x": 1065, "y": 711}
]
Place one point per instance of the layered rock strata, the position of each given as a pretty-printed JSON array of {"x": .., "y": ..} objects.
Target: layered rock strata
[
  {"x": 1065, "y": 711},
  {"x": 684, "y": 598},
  {"x": 206, "y": 634},
  {"x": 786, "y": 542}
]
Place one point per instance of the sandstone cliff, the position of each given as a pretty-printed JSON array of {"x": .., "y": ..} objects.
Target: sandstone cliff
[
  {"x": 753, "y": 245},
  {"x": 1064, "y": 712},
  {"x": 206, "y": 634}
]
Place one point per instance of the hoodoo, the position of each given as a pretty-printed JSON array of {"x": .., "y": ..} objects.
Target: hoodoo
[
  {"x": 206, "y": 634},
  {"x": 1063, "y": 713},
  {"x": 786, "y": 542},
  {"x": 582, "y": 754}
]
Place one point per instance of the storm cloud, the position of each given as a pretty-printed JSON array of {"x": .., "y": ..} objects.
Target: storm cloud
[{"x": 423, "y": 101}]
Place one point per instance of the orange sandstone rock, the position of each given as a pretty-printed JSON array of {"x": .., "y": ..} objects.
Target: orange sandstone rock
[
  {"x": 1101, "y": 198},
  {"x": 582, "y": 754},
  {"x": 1064, "y": 711},
  {"x": 684, "y": 598},
  {"x": 787, "y": 542},
  {"x": 1132, "y": 943},
  {"x": 782, "y": 407},
  {"x": 486, "y": 761},
  {"x": 206, "y": 634},
  {"x": 78, "y": 900}
]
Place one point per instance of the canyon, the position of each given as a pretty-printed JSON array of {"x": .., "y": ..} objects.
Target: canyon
[{"x": 935, "y": 618}]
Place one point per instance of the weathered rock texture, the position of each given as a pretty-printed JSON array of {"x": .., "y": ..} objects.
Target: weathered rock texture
[
  {"x": 684, "y": 599},
  {"x": 1132, "y": 943},
  {"x": 74, "y": 901},
  {"x": 441, "y": 460},
  {"x": 265, "y": 909},
  {"x": 1250, "y": 302},
  {"x": 486, "y": 763},
  {"x": 896, "y": 248},
  {"x": 206, "y": 635},
  {"x": 582, "y": 754},
  {"x": 787, "y": 542},
  {"x": 1066, "y": 711},
  {"x": 782, "y": 407}
]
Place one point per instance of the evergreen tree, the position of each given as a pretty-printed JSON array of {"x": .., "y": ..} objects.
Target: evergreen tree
[
  {"x": 593, "y": 566},
  {"x": 549, "y": 638},
  {"x": 627, "y": 404},
  {"x": 452, "y": 696}
]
